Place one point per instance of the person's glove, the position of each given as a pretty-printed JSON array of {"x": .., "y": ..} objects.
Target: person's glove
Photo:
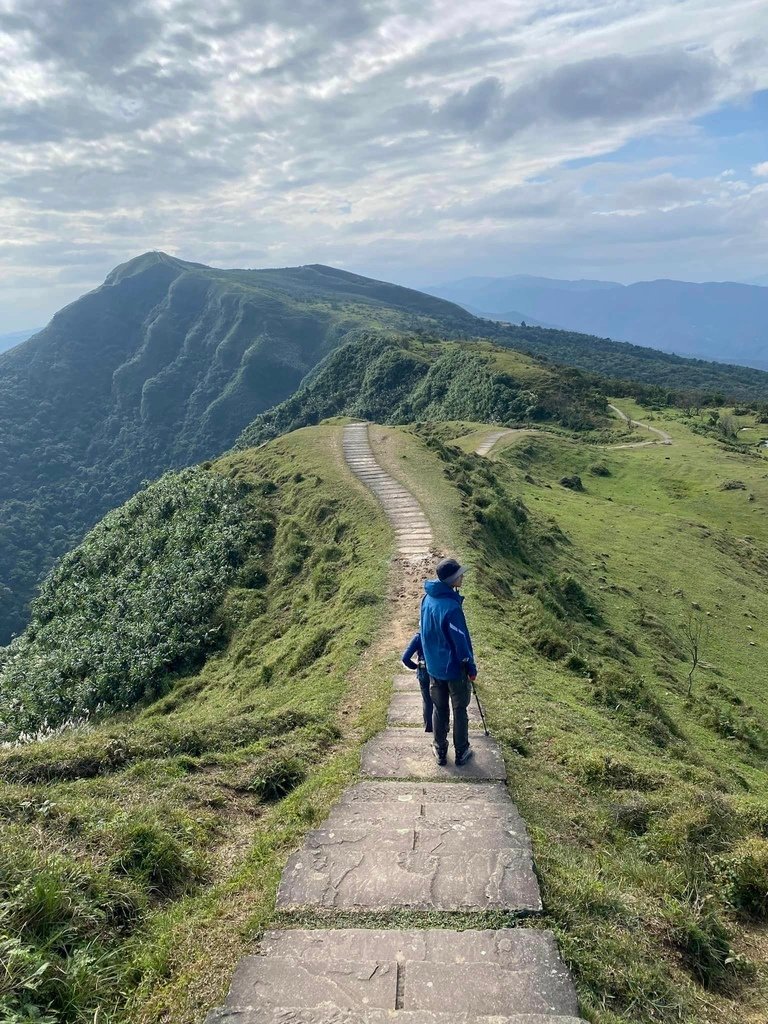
[{"x": 471, "y": 670}]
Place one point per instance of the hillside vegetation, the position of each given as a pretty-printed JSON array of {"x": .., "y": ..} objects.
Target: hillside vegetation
[
  {"x": 643, "y": 781},
  {"x": 405, "y": 379},
  {"x": 160, "y": 367},
  {"x": 224, "y": 611},
  {"x": 153, "y": 837}
]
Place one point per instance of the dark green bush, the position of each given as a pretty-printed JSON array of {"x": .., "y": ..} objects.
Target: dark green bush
[
  {"x": 745, "y": 873},
  {"x": 278, "y": 779}
]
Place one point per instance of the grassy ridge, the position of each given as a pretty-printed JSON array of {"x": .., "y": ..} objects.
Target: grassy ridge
[
  {"x": 137, "y": 854},
  {"x": 648, "y": 807},
  {"x": 402, "y": 379}
]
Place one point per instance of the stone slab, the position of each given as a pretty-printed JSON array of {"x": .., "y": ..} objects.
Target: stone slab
[
  {"x": 352, "y": 880},
  {"x": 485, "y": 989},
  {"x": 393, "y": 815},
  {"x": 425, "y": 792},
  {"x": 405, "y": 709},
  {"x": 508, "y": 947},
  {"x": 332, "y": 1015},
  {"x": 403, "y": 683},
  {"x": 454, "y": 838},
  {"x": 405, "y": 753},
  {"x": 282, "y": 981}
]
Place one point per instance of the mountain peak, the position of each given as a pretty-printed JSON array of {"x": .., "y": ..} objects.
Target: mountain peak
[{"x": 155, "y": 257}]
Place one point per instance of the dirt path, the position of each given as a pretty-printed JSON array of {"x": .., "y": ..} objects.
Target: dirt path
[
  {"x": 411, "y": 836},
  {"x": 491, "y": 439}
]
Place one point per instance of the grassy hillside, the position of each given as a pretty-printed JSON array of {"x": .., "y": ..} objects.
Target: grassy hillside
[
  {"x": 404, "y": 379},
  {"x": 154, "y": 836},
  {"x": 139, "y": 850},
  {"x": 648, "y": 805}
]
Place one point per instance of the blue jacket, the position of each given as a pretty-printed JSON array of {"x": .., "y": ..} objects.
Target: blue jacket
[
  {"x": 444, "y": 633},
  {"x": 414, "y": 647}
]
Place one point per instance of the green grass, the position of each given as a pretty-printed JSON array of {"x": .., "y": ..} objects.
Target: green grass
[
  {"x": 648, "y": 809},
  {"x": 155, "y": 840},
  {"x": 139, "y": 854}
]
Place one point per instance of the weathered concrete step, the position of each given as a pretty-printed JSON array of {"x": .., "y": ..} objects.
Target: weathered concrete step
[
  {"x": 333, "y": 1015},
  {"x": 283, "y": 981},
  {"x": 405, "y": 682},
  {"x": 421, "y": 838},
  {"x": 470, "y": 880},
  {"x": 509, "y": 947},
  {"x": 405, "y": 709},
  {"x": 478, "y": 814},
  {"x": 405, "y": 753},
  {"x": 416, "y": 793},
  {"x": 481, "y": 988}
]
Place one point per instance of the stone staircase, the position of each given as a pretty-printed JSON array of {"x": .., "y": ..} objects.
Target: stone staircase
[{"x": 411, "y": 836}]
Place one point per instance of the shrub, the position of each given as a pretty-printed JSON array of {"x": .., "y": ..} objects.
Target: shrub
[
  {"x": 745, "y": 874},
  {"x": 277, "y": 780},
  {"x": 149, "y": 853},
  {"x": 704, "y": 943},
  {"x": 599, "y": 469},
  {"x": 604, "y": 768}
]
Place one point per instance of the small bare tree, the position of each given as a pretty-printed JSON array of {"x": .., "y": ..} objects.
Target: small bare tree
[{"x": 695, "y": 634}]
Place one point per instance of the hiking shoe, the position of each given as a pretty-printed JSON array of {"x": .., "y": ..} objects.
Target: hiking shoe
[
  {"x": 464, "y": 756},
  {"x": 441, "y": 756}
]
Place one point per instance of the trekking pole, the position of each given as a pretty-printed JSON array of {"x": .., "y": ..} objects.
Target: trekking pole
[
  {"x": 479, "y": 705},
  {"x": 480, "y": 709}
]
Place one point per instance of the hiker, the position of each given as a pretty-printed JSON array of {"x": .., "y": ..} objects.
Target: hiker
[
  {"x": 449, "y": 659},
  {"x": 418, "y": 666}
]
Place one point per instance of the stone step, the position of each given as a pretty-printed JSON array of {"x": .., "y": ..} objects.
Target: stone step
[
  {"x": 483, "y": 988},
  {"x": 333, "y": 1015},
  {"x": 284, "y": 981},
  {"x": 458, "y": 816},
  {"x": 425, "y": 792},
  {"x": 423, "y": 837},
  {"x": 405, "y": 754},
  {"x": 508, "y": 947},
  {"x": 405, "y": 709},
  {"x": 464, "y": 879}
]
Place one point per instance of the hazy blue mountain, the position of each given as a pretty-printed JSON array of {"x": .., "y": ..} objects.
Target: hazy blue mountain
[
  {"x": 15, "y": 338},
  {"x": 721, "y": 321}
]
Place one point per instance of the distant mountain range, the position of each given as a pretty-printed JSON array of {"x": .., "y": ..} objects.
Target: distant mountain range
[
  {"x": 15, "y": 338},
  {"x": 721, "y": 321},
  {"x": 167, "y": 362}
]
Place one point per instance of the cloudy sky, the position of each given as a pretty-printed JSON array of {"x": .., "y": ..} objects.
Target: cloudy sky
[{"x": 413, "y": 140}]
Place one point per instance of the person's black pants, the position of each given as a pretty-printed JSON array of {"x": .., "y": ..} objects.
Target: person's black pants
[
  {"x": 447, "y": 695},
  {"x": 426, "y": 700}
]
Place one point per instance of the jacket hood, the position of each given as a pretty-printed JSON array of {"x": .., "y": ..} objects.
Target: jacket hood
[{"x": 436, "y": 588}]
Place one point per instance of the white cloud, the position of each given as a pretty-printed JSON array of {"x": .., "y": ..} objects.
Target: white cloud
[
  {"x": 761, "y": 170},
  {"x": 388, "y": 135}
]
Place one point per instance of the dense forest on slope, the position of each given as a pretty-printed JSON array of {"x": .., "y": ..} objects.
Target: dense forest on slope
[
  {"x": 160, "y": 367},
  {"x": 167, "y": 362},
  {"x": 124, "y": 840},
  {"x": 404, "y": 379},
  {"x": 624, "y": 361}
]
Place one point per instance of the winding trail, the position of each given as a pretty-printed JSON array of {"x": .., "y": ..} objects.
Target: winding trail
[
  {"x": 410, "y": 836},
  {"x": 491, "y": 439}
]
